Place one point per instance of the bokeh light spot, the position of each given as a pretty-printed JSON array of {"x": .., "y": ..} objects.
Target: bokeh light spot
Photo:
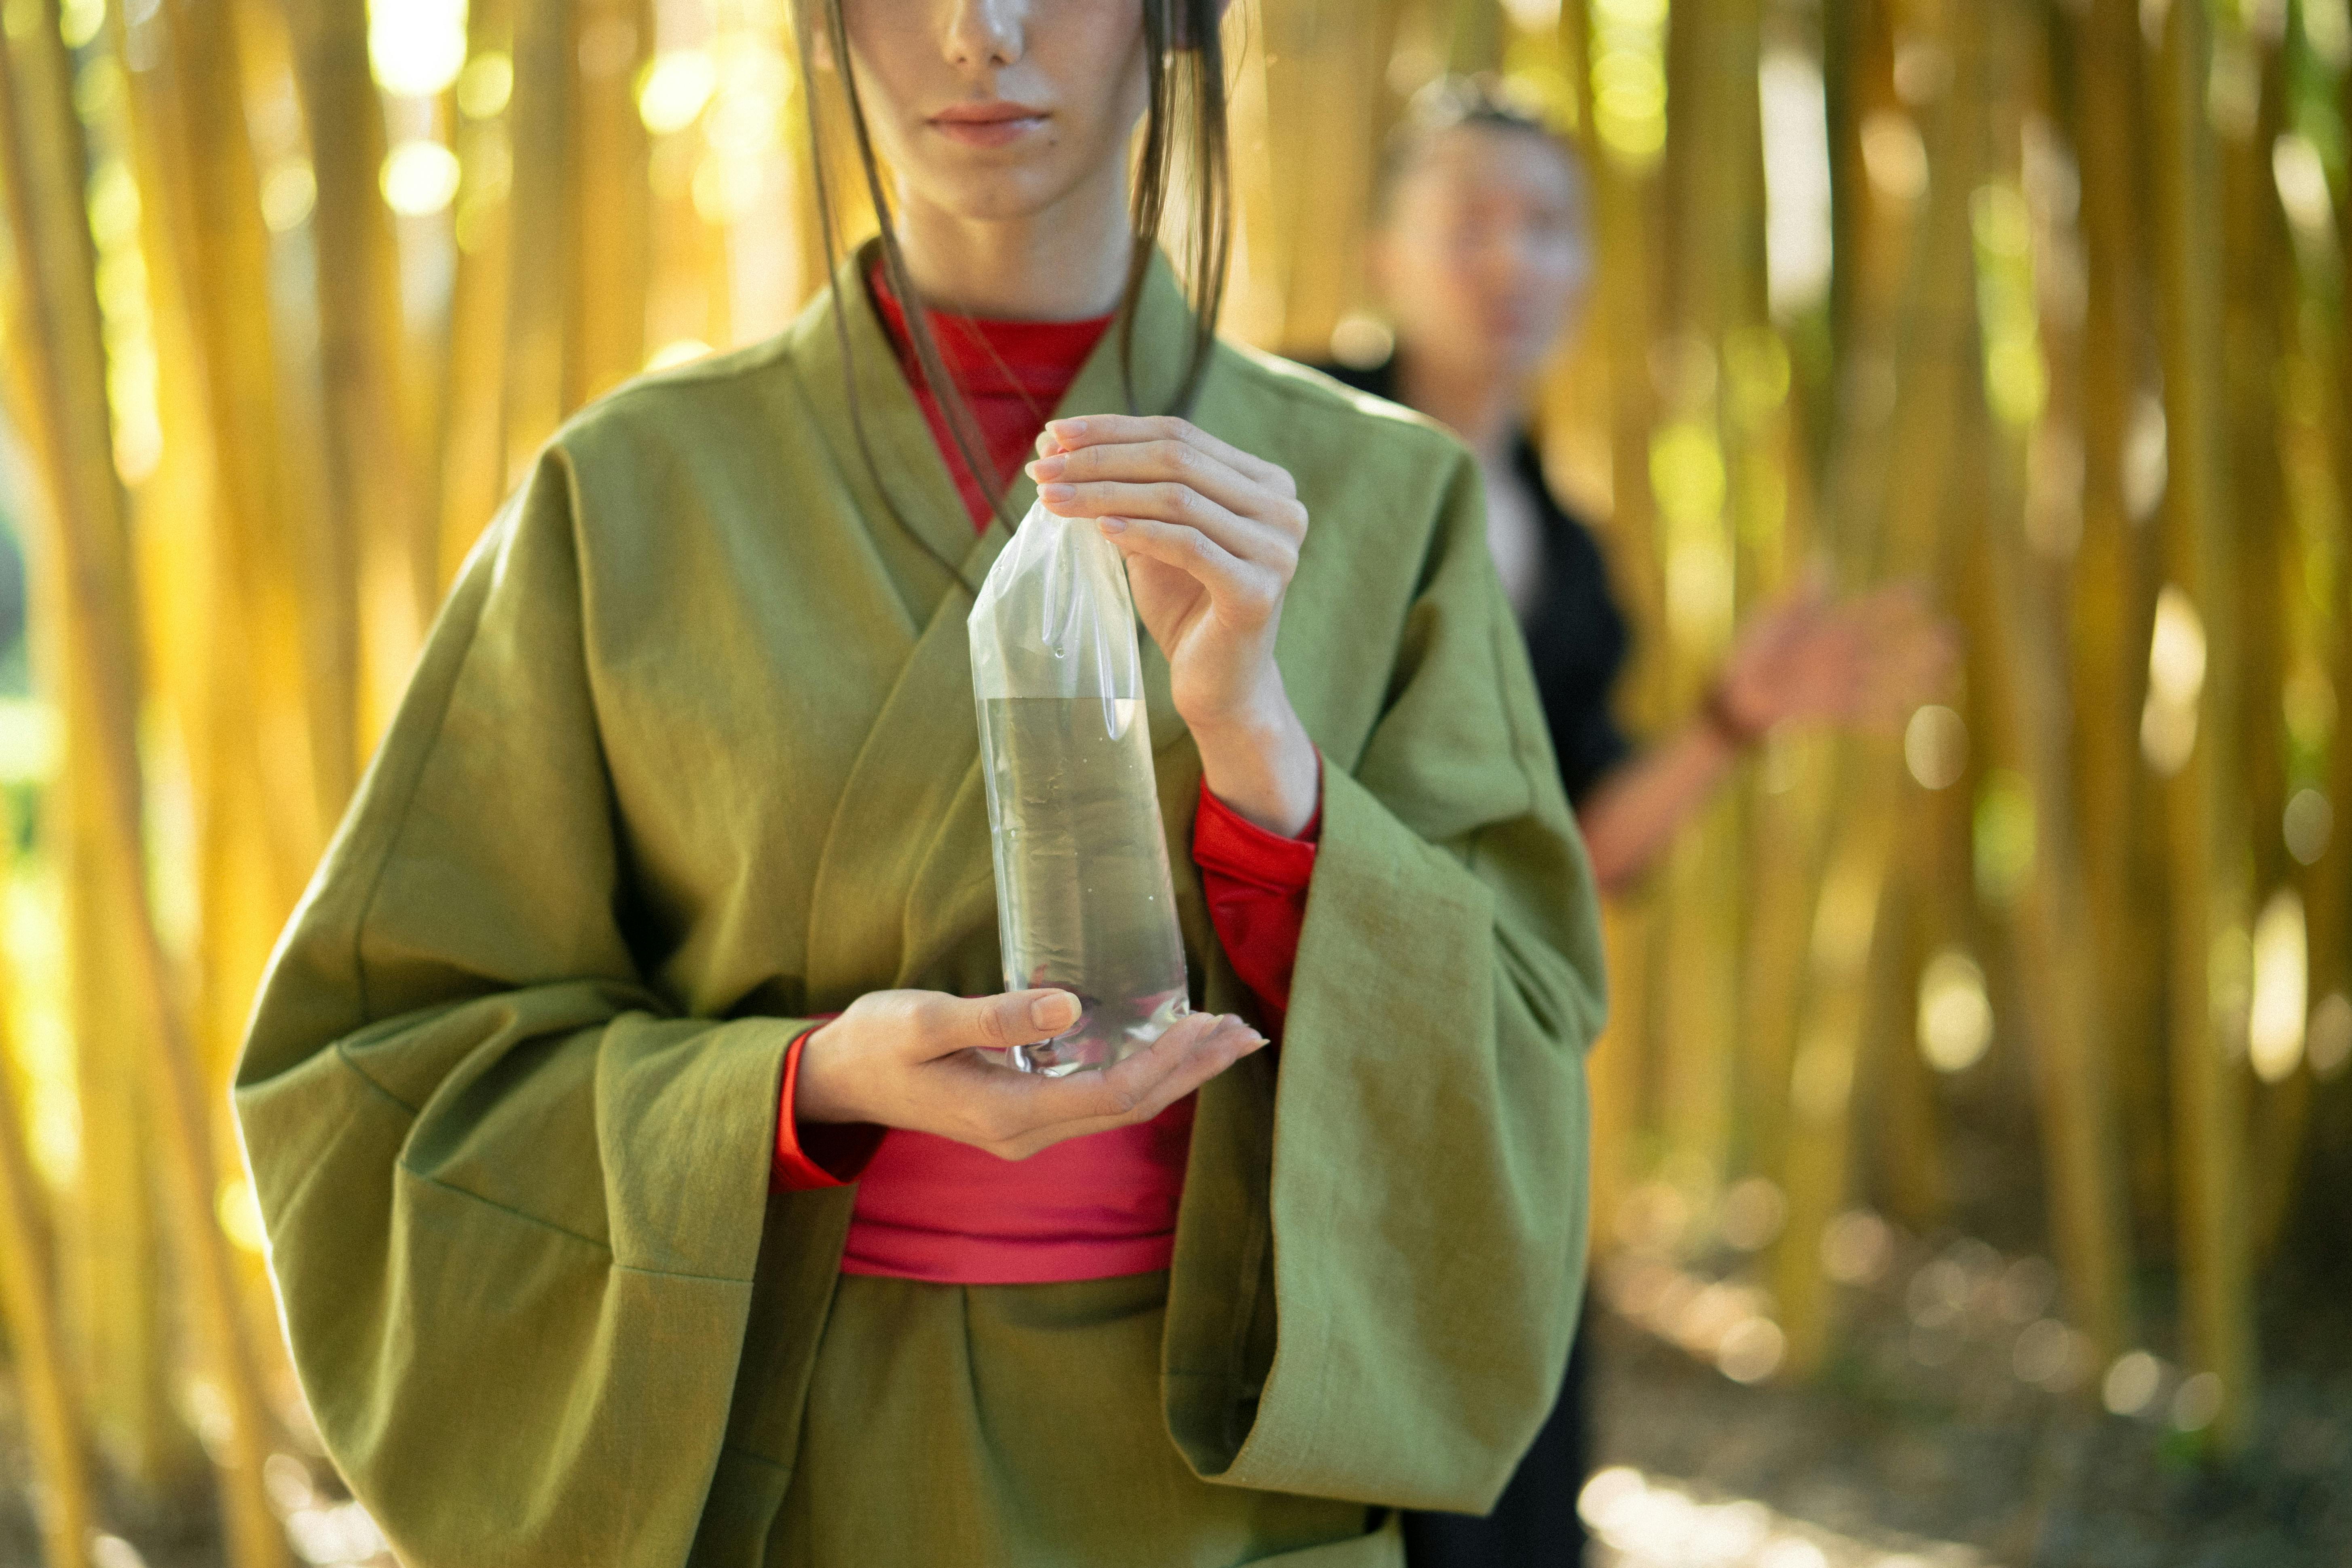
[
  {"x": 2274, "y": 1028},
  {"x": 2327, "y": 1042},
  {"x": 2196, "y": 1403},
  {"x": 2132, "y": 1383},
  {"x": 239, "y": 1214},
  {"x": 1955, "y": 1018},
  {"x": 673, "y": 88},
  {"x": 2310, "y": 822},
  {"x": 420, "y": 178},
  {"x": 1751, "y": 1349},
  {"x": 1936, "y": 746},
  {"x": 288, "y": 192},
  {"x": 486, "y": 85},
  {"x": 2003, "y": 835},
  {"x": 416, "y": 48}
]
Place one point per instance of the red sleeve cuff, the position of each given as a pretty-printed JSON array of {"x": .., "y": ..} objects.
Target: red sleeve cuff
[
  {"x": 1255, "y": 883},
  {"x": 1227, "y": 844},
  {"x": 823, "y": 1154}
]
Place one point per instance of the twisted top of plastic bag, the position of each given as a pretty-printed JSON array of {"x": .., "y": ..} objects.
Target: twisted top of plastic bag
[{"x": 1054, "y": 617}]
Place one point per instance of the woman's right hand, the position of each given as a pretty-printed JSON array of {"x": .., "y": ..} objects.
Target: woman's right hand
[{"x": 913, "y": 1060}]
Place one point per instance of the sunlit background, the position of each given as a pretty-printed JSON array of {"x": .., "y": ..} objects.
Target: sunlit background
[{"x": 1973, "y": 1132}]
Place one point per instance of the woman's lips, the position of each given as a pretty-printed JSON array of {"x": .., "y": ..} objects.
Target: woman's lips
[{"x": 987, "y": 124}]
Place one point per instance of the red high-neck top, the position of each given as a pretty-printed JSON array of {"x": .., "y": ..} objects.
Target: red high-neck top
[{"x": 932, "y": 1208}]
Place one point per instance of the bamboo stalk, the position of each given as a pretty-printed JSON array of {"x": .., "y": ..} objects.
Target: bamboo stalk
[
  {"x": 473, "y": 466},
  {"x": 44, "y": 164},
  {"x": 108, "y": 1256},
  {"x": 2113, "y": 600},
  {"x": 2263, "y": 296},
  {"x": 1883, "y": 531},
  {"x": 1327, "y": 88},
  {"x": 27, "y": 1299},
  {"x": 1622, "y": 221},
  {"x": 1790, "y": 830},
  {"x": 613, "y": 213},
  {"x": 194, "y": 104},
  {"x": 1476, "y": 40},
  {"x": 2081, "y": 1146},
  {"x": 1621, "y": 198},
  {"x": 28, "y": 1295},
  {"x": 2055, "y": 952},
  {"x": 2203, "y": 824},
  {"x": 2330, "y": 883},
  {"x": 379, "y": 547},
  {"x": 1901, "y": 1088},
  {"x": 539, "y": 315},
  {"x": 1845, "y": 931}
]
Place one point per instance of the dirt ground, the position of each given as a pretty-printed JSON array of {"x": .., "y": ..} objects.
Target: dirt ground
[{"x": 1926, "y": 1427}]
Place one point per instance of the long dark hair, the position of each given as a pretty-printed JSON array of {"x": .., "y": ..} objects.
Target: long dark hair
[{"x": 1184, "y": 135}]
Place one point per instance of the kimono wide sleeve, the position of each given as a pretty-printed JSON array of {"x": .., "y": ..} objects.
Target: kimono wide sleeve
[
  {"x": 1425, "y": 1177},
  {"x": 513, "y": 1199}
]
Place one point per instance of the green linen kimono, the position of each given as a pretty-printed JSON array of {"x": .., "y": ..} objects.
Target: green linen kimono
[{"x": 690, "y": 756}]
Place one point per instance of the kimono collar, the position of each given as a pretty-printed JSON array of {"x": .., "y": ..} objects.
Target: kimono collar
[{"x": 905, "y": 463}]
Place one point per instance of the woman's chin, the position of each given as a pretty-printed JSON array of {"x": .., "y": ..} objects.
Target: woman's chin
[{"x": 1000, "y": 193}]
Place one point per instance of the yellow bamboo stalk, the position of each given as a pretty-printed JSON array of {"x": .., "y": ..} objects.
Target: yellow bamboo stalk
[
  {"x": 379, "y": 544},
  {"x": 2081, "y": 1143},
  {"x": 2330, "y": 884},
  {"x": 299, "y": 747},
  {"x": 108, "y": 1256},
  {"x": 1906, "y": 1110},
  {"x": 612, "y": 212},
  {"x": 2263, "y": 309},
  {"x": 1790, "y": 829},
  {"x": 538, "y": 314},
  {"x": 473, "y": 470},
  {"x": 1626, "y": 306},
  {"x": 1713, "y": 202},
  {"x": 1871, "y": 231},
  {"x": 1884, "y": 529},
  {"x": 43, "y": 161},
  {"x": 1477, "y": 37},
  {"x": 1845, "y": 932},
  {"x": 1327, "y": 88},
  {"x": 1621, "y": 199},
  {"x": 28, "y": 1297},
  {"x": 29, "y": 1302},
  {"x": 2113, "y": 604},
  {"x": 2203, "y": 823}
]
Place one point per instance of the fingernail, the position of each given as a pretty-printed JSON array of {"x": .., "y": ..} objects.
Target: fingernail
[
  {"x": 1113, "y": 524},
  {"x": 1048, "y": 467},
  {"x": 1067, "y": 427},
  {"x": 1057, "y": 492},
  {"x": 1056, "y": 1012}
]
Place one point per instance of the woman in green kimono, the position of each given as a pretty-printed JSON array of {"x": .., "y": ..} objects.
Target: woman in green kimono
[{"x": 689, "y": 767}]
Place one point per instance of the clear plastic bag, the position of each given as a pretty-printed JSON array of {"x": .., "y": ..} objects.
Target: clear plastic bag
[{"x": 1083, "y": 897}]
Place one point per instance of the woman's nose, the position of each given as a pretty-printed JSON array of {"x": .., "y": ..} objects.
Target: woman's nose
[{"x": 984, "y": 33}]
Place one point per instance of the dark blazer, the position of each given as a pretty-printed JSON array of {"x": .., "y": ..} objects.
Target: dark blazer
[{"x": 1577, "y": 637}]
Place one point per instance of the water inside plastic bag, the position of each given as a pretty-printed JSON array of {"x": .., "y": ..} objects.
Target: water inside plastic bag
[{"x": 1083, "y": 897}]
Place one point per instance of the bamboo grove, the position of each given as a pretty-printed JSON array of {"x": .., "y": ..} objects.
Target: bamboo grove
[{"x": 2041, "y": 301}]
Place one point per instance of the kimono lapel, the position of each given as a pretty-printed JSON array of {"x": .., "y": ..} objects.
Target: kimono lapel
[
  {"x": 905, "y": 883},
  {"x": 881, "y": 441}
]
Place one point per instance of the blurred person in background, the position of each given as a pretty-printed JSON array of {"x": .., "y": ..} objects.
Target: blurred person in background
[{"x": 1481, "y": 259}]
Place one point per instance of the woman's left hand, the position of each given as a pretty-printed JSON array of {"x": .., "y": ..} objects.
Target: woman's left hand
[{"x": 1211, "y": 535}]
